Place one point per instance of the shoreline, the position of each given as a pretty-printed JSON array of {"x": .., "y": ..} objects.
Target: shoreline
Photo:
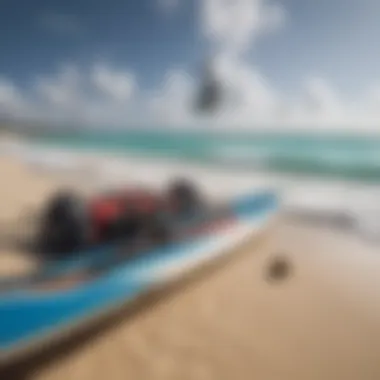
[{"x": 331, "y": 169}]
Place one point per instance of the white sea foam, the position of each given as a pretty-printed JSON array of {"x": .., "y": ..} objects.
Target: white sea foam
[{"x": 108, "y": 170}]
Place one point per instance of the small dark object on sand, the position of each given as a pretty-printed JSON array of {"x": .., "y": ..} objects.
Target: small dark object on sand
[{"x": 279, "y": 269}]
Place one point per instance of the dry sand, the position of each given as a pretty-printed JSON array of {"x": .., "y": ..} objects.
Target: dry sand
[{"x": 321, "y": 322}]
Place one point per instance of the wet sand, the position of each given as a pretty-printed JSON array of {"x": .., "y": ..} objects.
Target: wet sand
[{"x": 320, "y": 322}]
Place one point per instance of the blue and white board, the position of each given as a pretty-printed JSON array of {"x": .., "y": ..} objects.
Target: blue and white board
[{"x": 29, "y": 316}]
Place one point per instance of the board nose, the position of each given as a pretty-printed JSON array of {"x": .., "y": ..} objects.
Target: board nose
[{"x": 256, "y": 202}]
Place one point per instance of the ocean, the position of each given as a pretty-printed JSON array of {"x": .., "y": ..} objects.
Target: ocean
[{"x": 343, "y": 157}]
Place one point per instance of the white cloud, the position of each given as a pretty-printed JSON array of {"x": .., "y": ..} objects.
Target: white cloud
[
  {"x": 320, "y": 95},
  {"x": 232, "y": 28},
  {"x": 320, "y": 104},
  {"x": 74, "y": 96},
  {"x": 12, "y": 101},
  {"x": 63, "y": 89},
  {"x": 373, "y": 98},
  {"x": 244, "y": 86},
  {"x": 117, "y": 85},
  {"x": 9, "y": 95},
  {"x": 234, "y": 25},
  {"x": 172, "y": 102}
]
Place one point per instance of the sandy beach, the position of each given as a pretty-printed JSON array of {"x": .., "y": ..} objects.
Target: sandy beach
[{"x": 320, "y": 322}]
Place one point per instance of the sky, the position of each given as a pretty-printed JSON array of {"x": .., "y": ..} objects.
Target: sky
[{"x": 281, "y": 63}]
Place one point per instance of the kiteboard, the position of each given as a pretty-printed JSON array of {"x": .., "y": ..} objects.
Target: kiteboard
[{"x": 68, "y": 294}]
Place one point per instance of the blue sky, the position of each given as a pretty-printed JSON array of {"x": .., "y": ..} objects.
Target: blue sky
[
  {"x": 39, "y": 35},
  {"x": 288, "y": 49}
]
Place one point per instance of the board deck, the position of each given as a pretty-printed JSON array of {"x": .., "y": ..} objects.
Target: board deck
[{"x": 46, "y": 308}]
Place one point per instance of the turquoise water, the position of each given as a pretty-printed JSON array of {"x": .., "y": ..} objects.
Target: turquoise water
[{"x": 335, "y": 156}]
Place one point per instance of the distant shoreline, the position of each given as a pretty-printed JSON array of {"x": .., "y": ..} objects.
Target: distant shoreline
[{"x": 30, "y": 128}]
